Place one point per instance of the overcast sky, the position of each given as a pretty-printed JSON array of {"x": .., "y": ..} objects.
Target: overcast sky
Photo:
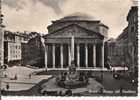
[{"x": 36, "y": 15}]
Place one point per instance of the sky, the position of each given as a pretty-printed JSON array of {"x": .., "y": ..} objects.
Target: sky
[{"x": 36, "y": 15}]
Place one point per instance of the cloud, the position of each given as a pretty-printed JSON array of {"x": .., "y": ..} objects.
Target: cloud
[
  {"x": 111, "y": 12},
  {"x": 54, "y": 4},
  {"x": 20, "y": 4},
  {"x": 36, "y": 15},
  {"x": 30, "y": 18}
]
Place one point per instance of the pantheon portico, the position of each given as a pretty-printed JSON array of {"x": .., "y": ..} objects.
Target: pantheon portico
[{"x": 86, "y": 35}]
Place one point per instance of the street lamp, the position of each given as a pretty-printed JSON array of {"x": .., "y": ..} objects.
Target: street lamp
[
  {"x": 2, "y": 69},
  {"x": 1, "y": 36}
]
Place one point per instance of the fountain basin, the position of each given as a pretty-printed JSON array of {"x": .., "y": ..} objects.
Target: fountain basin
[{"x": 72, "y": 83}]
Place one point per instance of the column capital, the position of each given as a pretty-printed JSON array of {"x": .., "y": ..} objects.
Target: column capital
[
  {"x": 86, "y": 44},
  {"x": 53, "y": 44},
  {"x": 61, "y": 44},
  {"x": 94, "y": 44}
]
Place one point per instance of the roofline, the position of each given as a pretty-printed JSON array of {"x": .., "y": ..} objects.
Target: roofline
[
  {"x": 132, "y": 9},
  {"x": 104, "y": 25},
  {"x": 61, "y": 21},
  {"x": 121, "y": 35},
  {"x": 14, "y": 33},
  {"x": 71, "y": 25},
  {"x": 56, "y": 21}
]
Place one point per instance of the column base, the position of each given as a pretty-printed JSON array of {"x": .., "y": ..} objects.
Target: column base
[{"x": 81, "y": 69}]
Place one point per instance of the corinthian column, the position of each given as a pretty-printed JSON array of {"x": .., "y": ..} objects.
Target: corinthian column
[
  {"x": 103, "y": 55},
  {"x": 86, "y": 55},
  {"x": 69, "y": 49},
  {"x": 53, "y": 55},
  {"x": 78, "y": 55},
  {"x": 72, "y": 48},
  {"x": 94, "y": 55},
  {"x": 46, "y": 58},
  {"x": 61, "y": 57}
]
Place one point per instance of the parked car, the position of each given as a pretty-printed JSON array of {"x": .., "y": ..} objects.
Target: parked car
[{"x": 5, "y": 66}]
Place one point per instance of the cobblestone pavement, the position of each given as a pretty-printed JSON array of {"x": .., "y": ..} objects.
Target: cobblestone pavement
[
  {"x": 24, "y": 81},
  {"x": 111, "y": 83},
  {"x": 51, "y": 86}
]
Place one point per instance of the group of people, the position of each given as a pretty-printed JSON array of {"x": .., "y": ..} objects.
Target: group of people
[
  {"x": 67, "y": 93},
  {"x": 63, "y": 76},
  {"x": 82, "y": 76}
]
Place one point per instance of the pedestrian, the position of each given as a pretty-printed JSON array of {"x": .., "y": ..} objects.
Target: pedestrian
[
  {"x": 15, "y": 77},
  {"x": 121, "y": 91},
  {"x": 114, "y": 91},
  {"x": 60, "y": 93},
  {"x": 30, "y": 76},
  {"x": 113, "y": 71},
  {"x": 102, "y": 77},
  {"x": 68, "y": 92},
  {"x": 101, "y": 90},
  {"x": 7, "y": 86},
  {"x": 5, "y": 75}
]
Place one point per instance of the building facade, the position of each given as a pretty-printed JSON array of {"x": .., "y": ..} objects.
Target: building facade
[
  {"x": 126, "y": 45},
  {"x": 132, "y": 19},
  {"x": 88, "y": 46},
  {"x": 1, "y": 47},
  {"x": 1, "y": 38},
  {"x": 122, "y": 48},
  {"x": 111, "y": 51},
  {"x": 12, "y": 47},
  {"x": 33, "y": 52}
]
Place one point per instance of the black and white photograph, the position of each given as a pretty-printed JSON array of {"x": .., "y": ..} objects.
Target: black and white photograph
[{"x": 69, "y": 48}]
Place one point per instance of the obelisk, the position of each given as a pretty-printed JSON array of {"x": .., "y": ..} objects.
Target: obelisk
[{"x": 72, "y": 68}]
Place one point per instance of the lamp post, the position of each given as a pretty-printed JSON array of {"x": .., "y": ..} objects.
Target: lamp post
[
  {"x": 0, "y": 80},
  {"x": 1, "y": 46},
  {"x": 1, "y": 37}
]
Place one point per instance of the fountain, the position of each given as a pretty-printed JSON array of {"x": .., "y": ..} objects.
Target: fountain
[{"x": 72, "y": 79}]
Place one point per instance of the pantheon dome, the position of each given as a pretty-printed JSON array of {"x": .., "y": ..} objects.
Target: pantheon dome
[
  {"x": 81, "y": 19},
  {"x": 77, "y": 16}
]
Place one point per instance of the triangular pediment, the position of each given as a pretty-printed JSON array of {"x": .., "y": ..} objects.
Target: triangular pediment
[{"x": 75, "y": 30}]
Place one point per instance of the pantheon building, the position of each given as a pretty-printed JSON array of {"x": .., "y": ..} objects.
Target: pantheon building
[{"x": 89, "y": 36}]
